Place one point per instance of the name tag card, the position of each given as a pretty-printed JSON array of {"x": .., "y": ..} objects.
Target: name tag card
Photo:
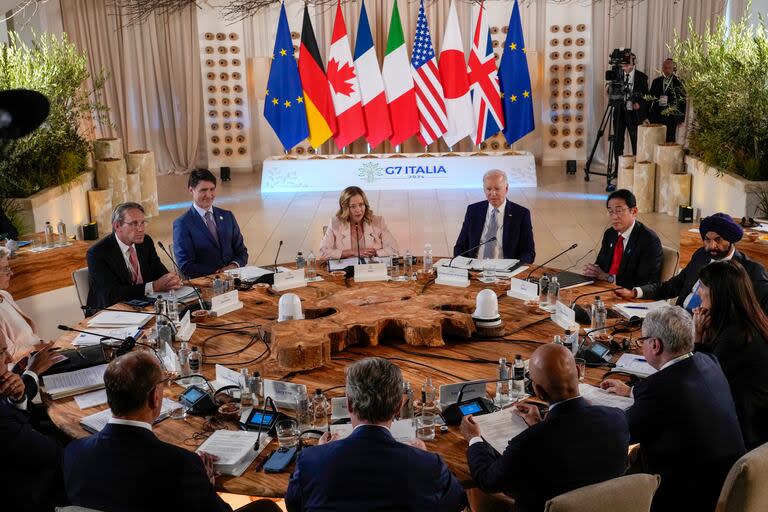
[
  {"x": 226, "y": 303},
  {"x": 371, "y": 272},
  {"x": 449, "y": 276},
  {"x": 282, "y": 393},
  {"x": 289, "y": 280},
  {"x": 564, "y": 316},
  {"x": 523, "y": 290},
  {"x": 185, "y": 328}
]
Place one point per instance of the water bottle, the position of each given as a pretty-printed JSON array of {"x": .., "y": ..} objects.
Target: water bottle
[
  {"x": 300, "y": 261},
  {"x": 553, "y": 293},
  {"x": 319, "y": 411},
  {"x": 502, "y": 388},
  {"x": 173, "y": 306},
  {"x": 62, "y": 229},
  {"x": 425, "y": 423},
  {"x": 195, "y": 364},
  {"x": 427, "y": 257},
  {"x": 48, "y": 234},
  {"x": 557, "y": 339},
  {"x": 255, "y": 385},
  {"x": 311, "y": 271},
  {"x": 164, "y": 329},
  {"x": 574, "y": 341},
  {"x": 303, "y": 416},
  {"x": 568, "y": 340},
  {"x": 184, "y": 359},
  {"x": 599, "y": 314},
  {"x": 218, "y": 285},
  {"x": 543, "y": 289},
  {"x": 408, "y": 265},
  {"x": 406, "y": 411},
  {"x": 518, "y": 376},
  {"x": 246, "y": 394}
]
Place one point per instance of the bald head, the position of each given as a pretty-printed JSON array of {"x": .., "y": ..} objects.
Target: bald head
[
  {"x": 554, "y": 373},
  {"x": 130, "y": 380}
]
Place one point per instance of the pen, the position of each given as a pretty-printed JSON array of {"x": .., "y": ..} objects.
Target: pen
[{"x": 636, "y": 307}]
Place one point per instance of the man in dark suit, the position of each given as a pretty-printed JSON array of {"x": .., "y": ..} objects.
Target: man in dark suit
[
  {"x": 719, "y": 233},
  {"x": 683, "y": 417},
  {"x": 510, "y": 223},
  {"x": 668, "y": 105},
  {"x": 631, "y": 253},
  {"x": 633, "y": 110},
  {"x": 30, "y": 475},
  {"x": 125, "y": 467},
  {"x": 369, "y": 469},
  {"x": 207, "y": 239},
  {"x": 125, "y": 265},
  {"x": 577, "y": 444}
]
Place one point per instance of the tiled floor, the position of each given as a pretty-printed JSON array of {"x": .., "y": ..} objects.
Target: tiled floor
[{"x": 565, "y": 209}]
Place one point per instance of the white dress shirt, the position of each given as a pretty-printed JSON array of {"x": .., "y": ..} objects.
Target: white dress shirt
[
  {"x": 130, "y": 423},
  {"x": 626, "y": 234},
  {"x": 126, "y": 255},
  {"x": 639, "y": 291},
  {"x": 498, "y": 249}
]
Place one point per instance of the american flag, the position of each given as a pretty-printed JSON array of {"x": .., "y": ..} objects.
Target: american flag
[{"x": 426, "y": 79}]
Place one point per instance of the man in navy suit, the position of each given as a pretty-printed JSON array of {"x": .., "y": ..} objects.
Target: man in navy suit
[
  {"x": 125, "y": 467},
  {"x": 631, "y": 252},
  {"x": 206, "y": 239},
  {"x": 125, "y": 265},
  {"x": 684, "y": 417},
  {"x": 510, "y": 223},
  {"x": 369, "y": 469},
  {"x": 575, "y": 445}
]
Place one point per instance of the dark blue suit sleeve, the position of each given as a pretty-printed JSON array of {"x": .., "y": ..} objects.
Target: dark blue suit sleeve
[
  {"x": 462, "y": 243},
  {"x": 293, "y": 495},
  {"x": 184, "y": 250},
  {"x": 239, "y": 251},
  {"x": 197, "y": 490},
  {"x": 527, "y": 248},
  {"x": 452, "y": 495}
]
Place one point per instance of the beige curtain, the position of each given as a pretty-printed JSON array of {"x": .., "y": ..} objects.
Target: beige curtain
[{"x": 154, "y": 91}]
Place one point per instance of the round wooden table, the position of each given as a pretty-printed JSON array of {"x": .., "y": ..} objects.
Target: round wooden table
[{"x": 425, "y": 328}]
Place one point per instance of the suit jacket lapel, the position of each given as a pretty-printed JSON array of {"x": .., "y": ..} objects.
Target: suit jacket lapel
[
  {"x": 198, "y": 220},
  {"x": 629, "y": 247},
  {"x": 508, "y": 217},
  {"x": 118, "y": 260},
  {"x": 218, "y": 218}
]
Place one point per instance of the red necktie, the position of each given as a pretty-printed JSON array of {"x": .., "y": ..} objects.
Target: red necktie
[
  {"x": 618, "y": 252},
  {"x": 137, "y": 279}
]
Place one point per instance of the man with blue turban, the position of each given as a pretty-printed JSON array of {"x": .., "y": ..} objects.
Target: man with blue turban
[{"x": 719, "y": 234}]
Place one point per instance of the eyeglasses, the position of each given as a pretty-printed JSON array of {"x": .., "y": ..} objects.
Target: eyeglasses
[
  {"x": 644, "y": 339},
  {"x": 617, "y": 211},
  {"x": 6, "y": 271},
  {"x": 137, "y": 224}
]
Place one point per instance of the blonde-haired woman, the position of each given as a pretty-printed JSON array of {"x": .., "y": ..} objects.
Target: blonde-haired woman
[{"x": 355, "y": 225}]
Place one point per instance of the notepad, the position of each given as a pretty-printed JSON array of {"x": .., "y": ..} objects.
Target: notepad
[
  {"x": 116, "y": 319},
  {"x": 250, "y": 273},
  {"x": 634, "y": 364},
  {"x": 234, "y": 448},
  {"x": 497, "y": 428},
  {"x": 638, "y": 309},
  {"x": 62, "y": 385},
  {"x": 598, "y": 396},
  {"x": 86, "y": 340},
  {"x": 97, "y": 421},
  {"x": 478, "y": 263},
  {"x": 183, "y": 293}
]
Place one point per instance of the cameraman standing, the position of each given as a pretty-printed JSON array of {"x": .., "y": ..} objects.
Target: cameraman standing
[
  {"x": 633, "y": 111},
  {"x": 668, "y": 106}
]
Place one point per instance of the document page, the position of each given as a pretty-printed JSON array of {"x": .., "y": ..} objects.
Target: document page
[
  {"x": 497, "y": 428},
  {"x": 71, "y": 383},
  {"x": 230, "y": 446},
  {"x": 119, "y": 319},
  {"x": 597, "y": 396}
]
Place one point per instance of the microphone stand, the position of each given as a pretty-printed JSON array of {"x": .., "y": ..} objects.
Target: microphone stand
[
  {"x": 550, "y": 260},
  {"x": 128, "y": 342},
  {"x": 492, "y": 239},
  {"x": 582, "y": 315},
  {"x": 277, "y": 254},
  {"x": 200, "y": 300},
  {"x": 360, "y": 259}
]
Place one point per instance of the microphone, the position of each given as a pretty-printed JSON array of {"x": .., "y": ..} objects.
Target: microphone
[
  {"x": 128, "y": 342},
  {"x": 582, "y": 316},
  {"x": 550, "y": 260},
  {"x": 277, "y": 254},
  {"x": 578, "y": 260},
  {"x": 453, "y": 414},
  {"x": 360, "y": 259},
  {"x": 173, "y": 260},
  {"x": 173, "y": 326},
  {"x": 492, "y": 239}
]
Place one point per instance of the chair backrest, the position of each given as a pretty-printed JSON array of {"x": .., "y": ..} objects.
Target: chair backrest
[
  {"x": 745, "y": 488},
  {"x": 669, "y": 263},
  {"x": 82, "y": 285},
  {"x": 630, "y": 493}
]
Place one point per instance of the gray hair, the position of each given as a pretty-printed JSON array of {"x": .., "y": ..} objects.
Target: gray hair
[
  {"x": 374, "y": 389},
  {"x": 4, "y": 252},
  {"x": 119, "y": 213},
  {"x": 493, "y": 173},
  {"x": 673, "y": 326}
]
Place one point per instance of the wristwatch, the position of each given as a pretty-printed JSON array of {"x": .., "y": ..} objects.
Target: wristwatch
[{"x": 611, "y": 279}]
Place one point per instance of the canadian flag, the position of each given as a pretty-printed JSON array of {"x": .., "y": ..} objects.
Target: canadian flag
[
  {"x": 453, "y": 75},
  {"x": 345, "y": 88}
]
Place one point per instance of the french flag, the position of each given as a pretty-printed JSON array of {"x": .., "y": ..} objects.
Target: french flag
[{"x": 375, "y": 106}]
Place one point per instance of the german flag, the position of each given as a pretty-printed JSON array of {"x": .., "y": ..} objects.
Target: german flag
[{"x": 321, "y": 116}]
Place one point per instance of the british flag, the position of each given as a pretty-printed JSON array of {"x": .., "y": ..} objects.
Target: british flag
[
  {"x": 426, "y": 79},
  {"x": 484, "y": 82}
]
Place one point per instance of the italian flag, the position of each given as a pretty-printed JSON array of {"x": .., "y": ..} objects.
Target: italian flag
[{"x": 398, "y": 84}]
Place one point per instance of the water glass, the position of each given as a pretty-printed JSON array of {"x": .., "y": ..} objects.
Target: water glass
[
  {"x": 178, "y": 413},
  {"x": 109, "y": 348},
  {"x": 287, "y": 433},
  {"x": 581, "y": 365},
  {"x": 425, "y": 427}
]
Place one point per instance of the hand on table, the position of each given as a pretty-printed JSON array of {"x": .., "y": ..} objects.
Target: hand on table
[
  {"x": 616, "y": 387},
  {"x": 208, "y": 461},
  {"x": 595, "y": 272},
  {"x": 469, "y": 428},
  {"x": 231, "y": 266},
  {"x": 168, "y": 282},
  {"x": 529, "y": 412},
  {"x": 624, "y": 293},
  {"x": 11, "y": 386}
]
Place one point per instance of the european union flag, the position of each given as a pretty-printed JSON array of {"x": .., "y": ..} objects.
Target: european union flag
[
  {"x": 515, "y": 82},
  {"x": 284, "y": 102}
]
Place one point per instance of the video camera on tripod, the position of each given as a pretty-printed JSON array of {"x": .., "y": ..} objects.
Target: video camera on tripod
[{"x": 618, "y": 84}]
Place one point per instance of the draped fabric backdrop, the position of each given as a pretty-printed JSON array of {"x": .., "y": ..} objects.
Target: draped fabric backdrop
[{"x": 155, "y": 92}]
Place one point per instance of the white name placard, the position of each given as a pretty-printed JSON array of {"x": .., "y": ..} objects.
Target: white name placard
[
  {"x": 523, "y": 290},
  {"x": 289, "y": 280},
  {"x": 450, "y": 276},
  {"x": 564, "y": 316},
  {"x": 185, "y": 328},
  {"x": 226, "y": 303},
  {"x": 282, "y": 393},
  {"x": 371, "y": 272}
]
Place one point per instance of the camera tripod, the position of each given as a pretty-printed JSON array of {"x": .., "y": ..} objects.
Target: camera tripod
[{"x": 611, "y": 172}]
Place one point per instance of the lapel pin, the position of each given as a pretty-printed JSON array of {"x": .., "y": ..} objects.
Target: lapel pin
[{"x": 221, "y": 217}]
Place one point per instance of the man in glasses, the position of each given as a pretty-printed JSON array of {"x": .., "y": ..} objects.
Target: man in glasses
[
  {"x": 631, "y": 252},
  {"x": 683, "y": 417},
  {"x": 125, "y": 265}
]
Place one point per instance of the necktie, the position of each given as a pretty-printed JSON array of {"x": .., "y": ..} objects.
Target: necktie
[
  {"x": 211, "y": 226},
  {"x": 618, "y": 252},
  {"x": 137, "y": 279},
  {"x": 493, "y": 226}
]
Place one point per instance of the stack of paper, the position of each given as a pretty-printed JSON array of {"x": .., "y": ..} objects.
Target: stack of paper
[
  {"x": 95, "y": 422},
  {"x": 402, "y": 430},
  {"x": 62, "y": 385},
  {"x": 119, "y": 319},
  {"x": 84, "y": 340},
  {"x": 183, "y": 293},
  {"x": 497, "y": 428},
  {"x": 235, "y": 449},
  {"x": 639, "y": 309},
  {"x": 634, "y": 364},
  {"x": 597, "y": 396},
  {"x": 478, "y": 264},
  {"x": 250, "y": 273}
]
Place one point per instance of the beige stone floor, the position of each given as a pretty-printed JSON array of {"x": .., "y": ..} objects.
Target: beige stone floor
[{"x": 565, "y": 209}]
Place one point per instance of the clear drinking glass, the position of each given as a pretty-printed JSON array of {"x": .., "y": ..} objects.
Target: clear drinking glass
[
  {"x": 425, "y": 426},
  {"x": 287, "y": 433},
  {"x": 178, "y": 413},
  {"x": 581, "y": 365}
]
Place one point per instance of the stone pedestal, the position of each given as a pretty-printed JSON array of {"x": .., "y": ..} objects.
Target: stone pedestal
[
  {"x": 626, "y": 173},
  {"x": 134, "y": 188},
  {"x": 669, "y": 160},
  {"x": 679, "y": 186},
  {"x": 107, "y": 148},
  {"x": 142, "y": 162},
  {"x": 111, "y": 173},
  {"x": 644, "y": 185},
  {"x": 100, "y": 206},
  {"x": 648, "y": 137}
]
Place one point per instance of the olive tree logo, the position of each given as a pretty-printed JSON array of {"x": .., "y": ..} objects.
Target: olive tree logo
[{"x": 370, "y": 172}]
